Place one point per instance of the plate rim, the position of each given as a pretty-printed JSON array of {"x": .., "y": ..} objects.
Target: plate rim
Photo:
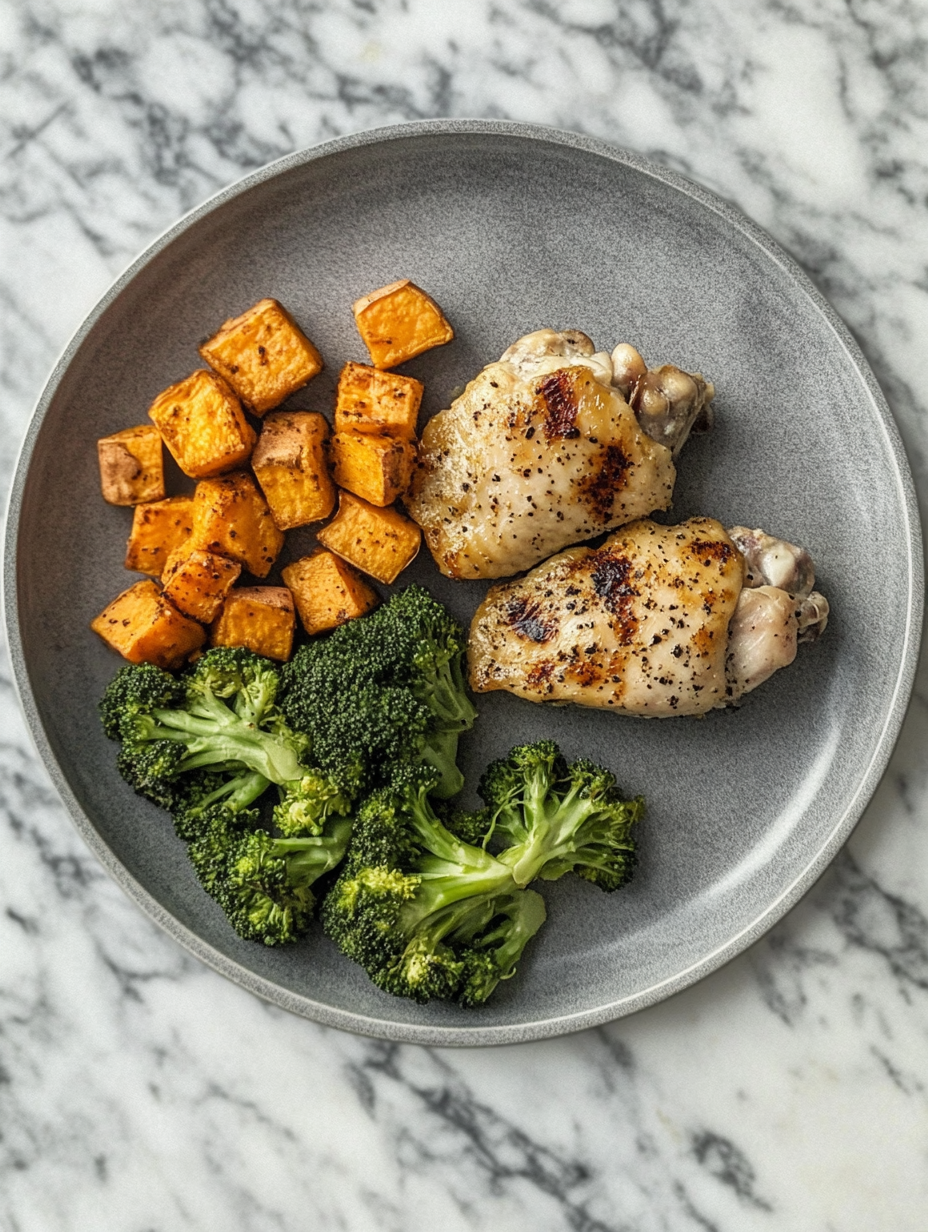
[{"x": 774, "y": 911}]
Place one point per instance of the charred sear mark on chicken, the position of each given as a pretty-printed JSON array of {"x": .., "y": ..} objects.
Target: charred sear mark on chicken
[
  {"x": 708, "y": 552},
  {"x": 610, "y": 577},
  {"x": 525, "y": 618},
  {"x": 607, "y": 480},
  {"x": 559, "y": 395}
]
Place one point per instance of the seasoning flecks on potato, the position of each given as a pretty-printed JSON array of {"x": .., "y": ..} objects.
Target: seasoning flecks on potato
[
  {"x": 260, "y": 618},
  {"x": 327, "y": 591},
  {"x": 142, "y": 626},
  {"x": 232, "y": 518},
  {"x": 376, "y": 468},
  {"x": 398, "y": 322},
  {"x": 380, "y": 542},
  {"x": 370, "y": 400},
  {"x": 131, "y": 465},
  {"x": 264, "y": 355},
  {"x": 158, "y": 528},
  {"x": 290, "y": 464},
  {"x": 197, "y": 582},
  {"x": 203, "y": 425}
]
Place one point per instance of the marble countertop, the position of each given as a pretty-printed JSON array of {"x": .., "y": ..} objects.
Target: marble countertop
[{"x": 139, "y": 1090}]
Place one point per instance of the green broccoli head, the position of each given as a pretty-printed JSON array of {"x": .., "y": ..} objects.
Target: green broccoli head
[
  {"x": 422, "y": 911},
  {"x": 385, "y": 689},
  {"x": 555, "y": 817},
  {"x": 136, "y": 689}
]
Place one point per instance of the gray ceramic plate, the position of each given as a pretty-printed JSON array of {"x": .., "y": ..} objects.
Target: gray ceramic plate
[{"x": 512, "y": 228}]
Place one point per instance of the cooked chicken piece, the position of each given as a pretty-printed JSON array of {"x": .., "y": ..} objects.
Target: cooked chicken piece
[
  {"x": 659, "y": 621},
  {"x": 542, "y": 450}
]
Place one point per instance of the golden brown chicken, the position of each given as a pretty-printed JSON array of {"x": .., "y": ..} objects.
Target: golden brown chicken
[
  {"x": 542, "y": 450},
  {"x": 659, "y": 621}
]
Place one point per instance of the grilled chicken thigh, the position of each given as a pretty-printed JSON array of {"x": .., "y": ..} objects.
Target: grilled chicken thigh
[
  {"x": 552, "y": 444},
  {"x": 659, "y": 621}
]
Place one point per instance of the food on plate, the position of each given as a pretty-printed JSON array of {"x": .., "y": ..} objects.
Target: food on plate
[
  {"x": 376, "y": 468},
  {"x": 327, "y": 591},
  {"x": 203, "y": 425},
  {"x": 290, "y": 464},
  {"x": 260, "y": 618},
  {"x": 158, "y": 529},
  {"x": 426, "y": 914},
  {"x": 197, "y": 582},
  {"x": 542, "y": 450},
  {"x": 131, "y": 465},
  {"x": 398, "y": 322},
  {"x": 142, "y": 626},
  {"x": 380, "y": 542},
  {"x": 231, "y": 517},
  {"x": 369, "y": 400},
  {"x": 264, "y": 355},
  {"x": 383, "y": 689},
  {"x": 658, "y": 621},
  {"x": 206, "y": 745}
]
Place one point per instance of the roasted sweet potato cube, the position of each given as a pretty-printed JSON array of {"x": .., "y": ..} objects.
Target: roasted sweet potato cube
[
  {"x": 373, "y": 401},
  {"x": 131, "y": 465},
  {"x": 145, "y": 628},
  {"x": 380, "y": 542},
  {"x": 231, "y": 518},
  {"x": 158, "y": 529},
  {"x": 327, "y": 591},
  {"x": 197, "y": 582},
  {"x": 292, "y": 468},
  {"x": 376, "y": 468},
  {"x": 398, "y": 322},
  {"x": 260, "y": 618},
  {"x": 203, "y": 425},
  {"x": 264, "y": 355}
]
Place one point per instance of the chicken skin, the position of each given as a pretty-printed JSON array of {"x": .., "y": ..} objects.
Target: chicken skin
[
  {"x": 659, "y": 621},
  {"x": 552, "y": 444}
]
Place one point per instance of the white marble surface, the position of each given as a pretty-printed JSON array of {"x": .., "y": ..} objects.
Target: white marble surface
[{"x": 139, "y": 1092}]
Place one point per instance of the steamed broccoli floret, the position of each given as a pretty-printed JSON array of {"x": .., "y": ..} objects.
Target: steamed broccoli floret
[
  {"x": 556, "y": 818},
  {"x": 425, "y": 914},
  {"x": 386, "y": 688},
  {"x": 264, "y": 883}
]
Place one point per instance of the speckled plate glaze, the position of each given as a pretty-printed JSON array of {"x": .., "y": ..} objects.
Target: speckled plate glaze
[{"x": 511, "y": 227}]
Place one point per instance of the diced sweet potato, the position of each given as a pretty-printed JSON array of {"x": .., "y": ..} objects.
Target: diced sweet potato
[
  {"x": 373, "y": 401},
  {"x": 376, "y": 468},
  {"x": 158, "y": 529},
  {"x": 197, "y": 582},
  {"x": 327, "y": 591},
  {"x": 131, "y": 465},
  {"x": 264, "y": 355},
  {"x": 260, "y": 618},
  {"x": 380, "y": 542},
  {"x": 291, "y": 466},
  {"x": 398, "y": 322},
  {"x": 231, "y": 518},
  {"x": 145, "y": 628},
  {"x": 203, "y": 425}
]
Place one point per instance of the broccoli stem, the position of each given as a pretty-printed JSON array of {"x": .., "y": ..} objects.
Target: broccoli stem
[
  {"x": 551, "y": 830},
  {"x": 441, "y": 751},
  {"x": 307, "y": 859},
  {"x": 224, "y": 737}
]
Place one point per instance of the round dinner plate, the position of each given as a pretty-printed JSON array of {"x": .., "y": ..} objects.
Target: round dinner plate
[{"x": 510, "y": 227}]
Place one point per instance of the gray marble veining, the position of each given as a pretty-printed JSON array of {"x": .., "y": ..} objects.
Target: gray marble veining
[{"x": 140, "y": 1091}]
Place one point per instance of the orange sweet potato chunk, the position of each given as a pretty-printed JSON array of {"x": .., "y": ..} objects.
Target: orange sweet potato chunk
[
  {"x": 261, "y": 618},
  {"x": 158, "y": 528},
  {"x": 232, "y": 518},
  {"x": 376, "y": 468},
  {"x": 385, "y": 403},
  {"x": 264, "y": 355},
  {"x": 142, "y": 626},
  {"x": 131, "y": 465},
  {"x": 291, "y": 466},
  {"x": 380, "y": 542},
  {"x": 203, "y": 425},
  {"x": 327, "y": 591},
  {"x": 398, "y": 322},
  {"x": 197, "y": 582}
]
